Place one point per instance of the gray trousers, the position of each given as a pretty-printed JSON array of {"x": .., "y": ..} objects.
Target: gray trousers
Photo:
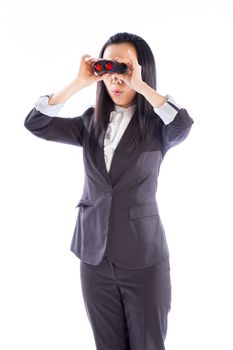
[{"x": 127, "y": 309}]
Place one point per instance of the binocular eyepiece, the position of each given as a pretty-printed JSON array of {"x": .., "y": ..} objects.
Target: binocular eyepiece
[{"x": 107, "y": 66}]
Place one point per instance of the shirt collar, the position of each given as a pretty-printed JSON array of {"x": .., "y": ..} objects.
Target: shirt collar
[
  {"x": 119, "y": 112},
  {"x": 129, "y": 110}
]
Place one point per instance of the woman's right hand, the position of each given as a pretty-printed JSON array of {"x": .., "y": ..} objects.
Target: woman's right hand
[{"x": 85, "y": 76}]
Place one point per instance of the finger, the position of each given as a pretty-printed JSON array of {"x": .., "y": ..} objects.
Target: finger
[
  {"x": 90, "y": 58},
  {"x": 130, "y": 65},
  {"x": 133, "y": 57},
  {"x": 123, "y": 60},
  {"x": 85, "y": 56},
  {"x": 103, "y": 76},
  {"x": 90, "y": 61}
]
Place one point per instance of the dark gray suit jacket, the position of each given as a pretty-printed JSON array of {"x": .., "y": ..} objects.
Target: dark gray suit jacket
[{"x": 118, "y": 213}]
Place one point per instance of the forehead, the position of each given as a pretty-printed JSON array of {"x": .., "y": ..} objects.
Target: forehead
[{"x": 118, "y": 50}]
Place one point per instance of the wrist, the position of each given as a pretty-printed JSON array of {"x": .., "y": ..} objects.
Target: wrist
[
  {"x": 64, "y": 94},
  {"x": 142, "y": 87},
  {"x": 152, "y": 96}
]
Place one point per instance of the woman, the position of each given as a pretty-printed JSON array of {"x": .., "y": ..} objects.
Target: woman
[{"x": 119, "y": 237}]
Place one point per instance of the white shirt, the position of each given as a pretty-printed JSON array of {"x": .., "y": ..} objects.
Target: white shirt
[{"x": 118, "y": 120}]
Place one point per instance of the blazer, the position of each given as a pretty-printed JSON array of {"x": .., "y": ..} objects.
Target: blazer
[{"x": 117, "y": 214}]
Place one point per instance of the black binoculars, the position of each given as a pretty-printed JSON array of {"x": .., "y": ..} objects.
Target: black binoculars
[{"x": 108, "y": 66}]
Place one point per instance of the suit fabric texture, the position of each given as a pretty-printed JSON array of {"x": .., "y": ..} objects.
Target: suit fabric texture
[
  {"x": 127, "y": 309},
  {"x": 119, "y": 236},
  {"x": 118, "y": 215}
]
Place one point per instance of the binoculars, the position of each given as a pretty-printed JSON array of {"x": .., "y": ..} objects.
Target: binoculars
[{"x": 108, "y": 66}]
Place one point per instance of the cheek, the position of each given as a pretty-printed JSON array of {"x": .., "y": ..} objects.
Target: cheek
[{"x": 131, "y": 92}]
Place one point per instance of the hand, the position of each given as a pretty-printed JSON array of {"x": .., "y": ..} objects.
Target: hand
[
  {"x": 85, "y": 76},
  {"x": 133, "y": 78}
]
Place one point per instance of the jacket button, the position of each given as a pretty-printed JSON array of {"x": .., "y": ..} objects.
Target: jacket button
[{"x": 108, "y": 193}]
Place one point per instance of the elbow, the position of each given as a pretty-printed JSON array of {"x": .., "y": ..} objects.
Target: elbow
[
  {"x": 186, "y": 120},
  {"x": 27, "y": 123},
  {"x": 36, "y": 121}
]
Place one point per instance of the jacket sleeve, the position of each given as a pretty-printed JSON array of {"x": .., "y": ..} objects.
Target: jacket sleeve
[
  {"x": 58, "y": 129},
  {"x": 176, "y": 123}
]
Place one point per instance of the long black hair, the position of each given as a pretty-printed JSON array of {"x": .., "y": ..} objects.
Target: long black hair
[{"x": 144, "y": 113}]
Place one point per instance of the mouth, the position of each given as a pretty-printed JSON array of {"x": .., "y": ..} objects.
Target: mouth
[{"x": 117, "y": 92}]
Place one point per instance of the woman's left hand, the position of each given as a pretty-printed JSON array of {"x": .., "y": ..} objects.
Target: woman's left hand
[{"x": 133, "y": 78}]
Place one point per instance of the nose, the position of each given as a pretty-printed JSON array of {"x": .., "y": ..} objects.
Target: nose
[{"x": 115, "y": 79}]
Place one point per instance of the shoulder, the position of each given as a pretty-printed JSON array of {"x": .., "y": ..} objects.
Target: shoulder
[{"x": 87, "y": 116}]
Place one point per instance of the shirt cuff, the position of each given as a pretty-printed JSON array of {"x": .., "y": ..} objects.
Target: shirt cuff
[
  {"x": 168, "y": 111},
  {"x": 49, "y": 110}
]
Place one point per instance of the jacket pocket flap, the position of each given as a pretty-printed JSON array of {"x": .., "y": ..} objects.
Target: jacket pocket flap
[
  {"x": 83, "y": 201},
  {"x": 143, "y": 211}
]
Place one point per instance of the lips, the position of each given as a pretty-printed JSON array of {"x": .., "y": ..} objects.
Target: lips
[{"x": 117, "y": 92}]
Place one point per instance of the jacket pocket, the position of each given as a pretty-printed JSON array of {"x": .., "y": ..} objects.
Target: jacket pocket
[
  {"x": 84, "y": 202},
  {"x": 142, "y": 211},
  {"x": 146, "y": 226}
]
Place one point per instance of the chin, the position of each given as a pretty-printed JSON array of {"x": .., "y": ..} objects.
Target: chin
[{"x": 120, "y": 101}]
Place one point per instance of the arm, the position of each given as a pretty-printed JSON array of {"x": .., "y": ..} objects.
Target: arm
[
  {"x": 177, "y": 130},
  {"x": 64, "y": 130},
  {"x": 176, "y": 121},
  {"x": 42, "y": 120}
]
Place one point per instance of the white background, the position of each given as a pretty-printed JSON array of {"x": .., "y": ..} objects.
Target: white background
[{"x": 41, "y": 304}]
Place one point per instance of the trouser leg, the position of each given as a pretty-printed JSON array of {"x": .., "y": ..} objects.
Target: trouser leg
[
  {"x": 127, "y": 309},
  {"x": 146, "y": 295},
  {"x": 104, "y": 306}
]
